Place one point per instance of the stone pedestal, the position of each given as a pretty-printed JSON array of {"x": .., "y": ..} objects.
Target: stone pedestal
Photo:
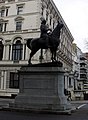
[{"x": 42, "y": 88}]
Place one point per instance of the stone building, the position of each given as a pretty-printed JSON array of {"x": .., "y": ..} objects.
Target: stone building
[
  {"x": 77, "y": 93},
  {"x": 19, "y": 21},
  {"x": 84, "y": 74},
  {"x": 80, "y": 70}
]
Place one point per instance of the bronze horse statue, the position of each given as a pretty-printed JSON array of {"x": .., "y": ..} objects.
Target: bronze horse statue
[{"x": 53, "y": 42}]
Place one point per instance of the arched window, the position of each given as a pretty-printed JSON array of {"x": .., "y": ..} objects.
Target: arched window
[
  {"x": 17, "y": 50},
  {"x": 1, "y": 50}
]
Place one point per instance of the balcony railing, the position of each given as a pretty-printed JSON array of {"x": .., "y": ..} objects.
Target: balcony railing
[{"x": 83, "y": 71}]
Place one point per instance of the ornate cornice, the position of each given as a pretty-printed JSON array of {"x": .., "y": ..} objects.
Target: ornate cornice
[
  {"x": 19, "y": 18},
  {"x": 3, "y": 21}
]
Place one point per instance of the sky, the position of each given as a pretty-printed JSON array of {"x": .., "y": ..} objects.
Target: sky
[{"x": 75, "y": 15}]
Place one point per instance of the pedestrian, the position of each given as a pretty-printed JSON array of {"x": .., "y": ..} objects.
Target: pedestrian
[{"x": 69, "y": 96}]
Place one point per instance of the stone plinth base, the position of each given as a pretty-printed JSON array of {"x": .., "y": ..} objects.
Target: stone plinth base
[{"x": 41, "y": 88}]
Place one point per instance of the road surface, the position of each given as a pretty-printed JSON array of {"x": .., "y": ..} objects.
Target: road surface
[{"x": 80, "y": 114}]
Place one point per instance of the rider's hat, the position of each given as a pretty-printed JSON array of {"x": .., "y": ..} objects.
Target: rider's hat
[{"x": 43, "y": 20}]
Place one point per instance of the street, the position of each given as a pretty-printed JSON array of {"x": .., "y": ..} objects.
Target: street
[{"x": 80, "y": 114}]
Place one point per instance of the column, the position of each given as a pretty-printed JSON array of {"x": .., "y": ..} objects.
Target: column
[
  {"x": 4, "y": 52},
  {"x": 48, "y": 19},
  {"x": 66, "y": 80},
  {"x": 11, "y": 53},
  {"x": 7, "y": 52},
  {"x": 5, "y": 73},
  {"x": 23, "y": 51},
  {"x": 2, "y": 80},
  {"x": 27, "y": 53},
  {"x": 3, "y": 27},
  {"x": 44, "y": 14}
]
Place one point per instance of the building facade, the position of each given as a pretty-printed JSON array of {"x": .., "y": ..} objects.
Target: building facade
[
  {"x": 80, "y": 70},
  {"x": 19, "y": 21},
  {"x": 84, "y": 73},
  {"x": 77, "y": 92}
]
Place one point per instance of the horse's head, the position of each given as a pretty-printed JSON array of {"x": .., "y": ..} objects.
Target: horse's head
[{"x": 56, "y": 31}]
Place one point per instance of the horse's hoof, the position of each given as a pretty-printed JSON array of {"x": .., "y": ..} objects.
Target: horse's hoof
[
  {"x": 56, "y": 61},
  {"x": 53, "y": 61},
  {"x": 29, "y": 63}
]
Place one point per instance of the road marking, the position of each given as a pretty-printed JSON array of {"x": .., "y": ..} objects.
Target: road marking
[{"x": 81, "y": 106}]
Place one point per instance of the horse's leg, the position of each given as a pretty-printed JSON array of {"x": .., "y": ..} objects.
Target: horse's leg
[
  {"x": 29, "y": 61},
  {"x": 52, "y": 55},
  {"x": 55, "y": 55},
  {"x": 31, "y": 55}
]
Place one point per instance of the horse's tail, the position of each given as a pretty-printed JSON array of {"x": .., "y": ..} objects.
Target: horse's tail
[{"x": 28, "y": 43}]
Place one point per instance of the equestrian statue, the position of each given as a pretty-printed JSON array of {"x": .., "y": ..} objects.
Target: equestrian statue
[{"x": 47, "y": 40}]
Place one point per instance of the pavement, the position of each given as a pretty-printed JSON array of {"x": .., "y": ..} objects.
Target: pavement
[
  {"x": 4, "y": 102},
  {"x": 79, "y": 103}
]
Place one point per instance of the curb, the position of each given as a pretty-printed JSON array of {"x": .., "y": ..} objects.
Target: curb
[{"x": 80, "y": 106}]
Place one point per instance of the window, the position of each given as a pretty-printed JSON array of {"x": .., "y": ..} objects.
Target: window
[
  {"x": 50, "y": 20},
  {"x": 1, "y": 50},
  {"x": 2, "y": 1},
  {"x": 69, "y": 82},
  {"x": 47, "y": 14},
  {"x": 19, "y": 21},
  {"x": 24, "y": 51},
  {"x": 19, "y": 10},
  {"x": 1, "y": 27},
  {"x": 2, "y": 13},
  {"x": 6, "y": 12},
  {"x": 9, "y": 51},
  {"x": 17, "y": 51},
  {"x": 11, "y": 0},
  {"x": 19, "y": 25},
  {"x": 79, "y": 87},
  {"x": 53, "y": 24},
  {"x": 0, "y": 79},
  {"x": 5, "y": 27},
  {"x": 14, "y": 80},
  {"x": 42, "y": 11}
]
